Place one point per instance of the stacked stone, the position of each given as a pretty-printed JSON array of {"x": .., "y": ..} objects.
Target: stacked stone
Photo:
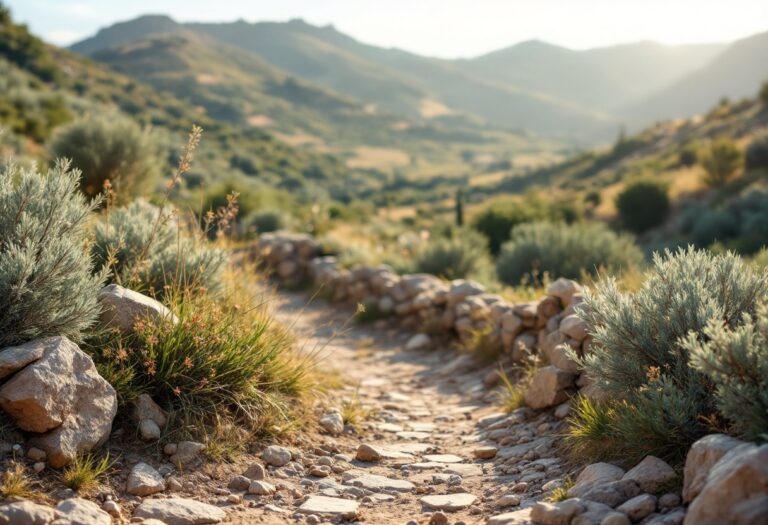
[
  {"x": 563, "y": 333},
  {"x": 288, "y": 254},
  {"x": 460, "y": 308}
]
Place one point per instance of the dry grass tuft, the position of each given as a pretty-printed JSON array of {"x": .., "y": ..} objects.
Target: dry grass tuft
[
  {"x": 84, "y": 472},
  {"x": 15, "y": 483}
]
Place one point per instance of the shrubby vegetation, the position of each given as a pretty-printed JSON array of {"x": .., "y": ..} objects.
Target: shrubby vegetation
[
  {"x": 220, "y": 361},
  {"x": 109, "y": 148},
  {"x": 265, "y": 221},
  {"x": 689, "y": 155},
  {"x": 497, "y": 219},
  {"x": 721, "y": 159},
  {"x": 47, "y": 283},
  {"x": 642, "y": 205},
  {"x": 735, "y": 359},
  {"x": 463, "y": 254},
  {"x": 757, "y": 152},
  {"x": 27, "y": 107},
  {"x": 563, "y": 250},
  {"x": 658, "y": 403},
  {"x": 151, "y": 250},
  {"x": 740, "y": 224}
]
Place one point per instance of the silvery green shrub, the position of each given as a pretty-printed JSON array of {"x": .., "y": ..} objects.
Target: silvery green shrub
[
  {"x": 47, "y": 283},
  {"x": 564, "y": 250},
  {"x": 736, "y": 361},
  {"x": 641, "y": 355},
  {"x": 462, "y": 255},
  {"x": 148, "y": 249},
  {"x": 109, "y": 147}
]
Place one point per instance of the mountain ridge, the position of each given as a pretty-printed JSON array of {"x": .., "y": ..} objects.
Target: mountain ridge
[{"x": 551, "y": 90}]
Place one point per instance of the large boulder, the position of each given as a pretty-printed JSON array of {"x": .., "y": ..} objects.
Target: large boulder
[
  {"x": 144, "y": 480},
  {"x": 563, "y": 289},
  {"x": 14, "y": 358},
  {"x": 573, "y": 327},
  {"x": 549, "y": 387},
  {"x": 63, "y": 396},
  {"x": 701, "y": 457},
  {"x": 736, "y": 490},
  {"x": 461, "y": 289},
  {"x": 651, "y": 474},
  {"x": 79, "y": 511},
  {"x": 121, "y": 308},
  {"x": 27, "y": 513},
  {"x": 595, "y": 475},
  {"x": 556, "y": 513}
]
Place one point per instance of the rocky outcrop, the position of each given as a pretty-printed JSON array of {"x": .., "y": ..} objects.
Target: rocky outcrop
[
  {"x": 62, "y": 397},
  {"x": 735, "y": 490},
  {"x": 122, "y": 308},
  {"x": 549, "y": 387},
  {"x": 702, "y": 456}
]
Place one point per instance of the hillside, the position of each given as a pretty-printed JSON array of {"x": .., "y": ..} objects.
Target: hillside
[
  {"x": 388, "y": 80},
  {"x": 601, "y": 78},
  {"x": 735, "y": 73},
  {"x": 45, "y": 87},
  {"x": 580, "y": 96}
]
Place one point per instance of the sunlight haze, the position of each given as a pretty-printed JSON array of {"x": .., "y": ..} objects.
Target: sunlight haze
[{"x": 441, "y": 28}]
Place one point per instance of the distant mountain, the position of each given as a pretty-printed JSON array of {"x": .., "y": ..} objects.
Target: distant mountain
[
  {"x": 736, "y": 72},
  {"x": 602, "y": 78},
  {"x": 386, "y": 79},
  {"x": 534, "y": 85}
]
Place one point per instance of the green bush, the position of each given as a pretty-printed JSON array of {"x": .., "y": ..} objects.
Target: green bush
[
  {"x": 265, "y": 221},
  {"x": 498, "y": 218},
  {"x": 736, "y": 361},
  {"x": 150, "y": 250},
  {"x": 47, "y": 283},
  {"x": 109, "y": 147},
  {"x": 563, "y": 250},
  {"x": 721, "y": 159},
  {"x": 757, "y": 152},
  {"x": 714, "y": 225},
  {"x": 659, "y": 403},
  {"x": 463, "y": 255},
  {"x": 689, "y": 155},
  {"x": 642, "y": 205}
]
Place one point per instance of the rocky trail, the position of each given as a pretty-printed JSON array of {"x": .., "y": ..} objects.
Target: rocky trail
[{"x": 433, "y": 449}]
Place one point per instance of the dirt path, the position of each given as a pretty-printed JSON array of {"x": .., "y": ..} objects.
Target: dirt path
[{"x": 426, "y": 412}]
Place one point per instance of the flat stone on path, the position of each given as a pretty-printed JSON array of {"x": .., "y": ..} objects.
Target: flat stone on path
[
  {"x": 389, "y": 427},
  {"x": 518, "y": 517},
  {"x": 337, "y": 507},
  {"x": 427, "y": 465},
  {"x": 465, "y": 470},
  {"x": 375, "y": 482},
  {"x": 449, "y": 502},
  {"x": 417, "y": 426},
  {"x": 485, "y": 452},
  {"x": 413, "y": 448},
  {"x": 416, "y": 436},
  {"x": 366, "y": 452},
  {"x": 179, "y": 511},
  {"x": 444, "y": 458}
]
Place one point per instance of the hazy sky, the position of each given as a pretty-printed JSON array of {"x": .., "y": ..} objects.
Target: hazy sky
[{"x": 445, "y": 28}]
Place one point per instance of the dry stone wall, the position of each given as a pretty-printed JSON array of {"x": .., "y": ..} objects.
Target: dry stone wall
[{"x": 460, "y": 309}]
